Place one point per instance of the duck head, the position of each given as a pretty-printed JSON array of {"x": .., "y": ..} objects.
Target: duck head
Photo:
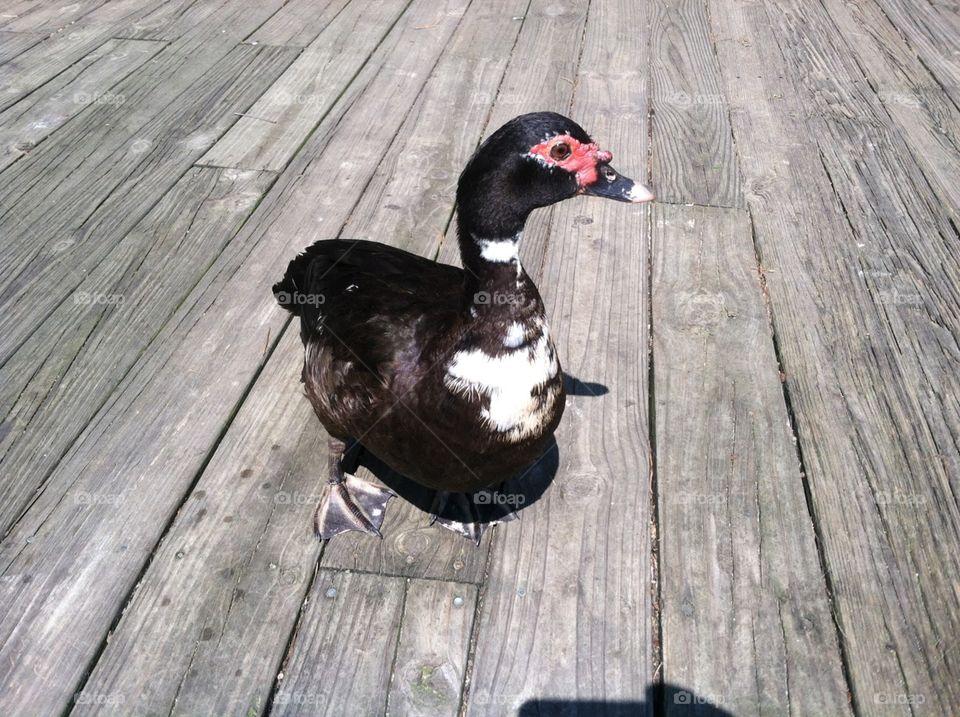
[{"x": 532, "y": 161}]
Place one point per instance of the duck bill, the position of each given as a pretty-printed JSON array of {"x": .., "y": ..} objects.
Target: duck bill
[{"x": 613, "y": 185}]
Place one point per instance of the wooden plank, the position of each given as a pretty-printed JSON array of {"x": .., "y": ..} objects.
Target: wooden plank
[
  {"x": 85, "y": 83},
  {"x": 411, "y": 205},
  {"x": 927, "y": 117},
  {"x": 432, "y": 652},
  {"x": 62, "y": 375},
  {"x": 52, "y": 274},
  {"x": 68, "y": 203},
  {"x": 148, "y": 444},
  {"x": 297, "y": 23},
  {"x": 47, "y": 17},
  {"x": 571, "y": 581},
  {"x": 31, "y": 68},
  {"x": 274, "y": 128},
  {"x": 172, "y": 19},
  {"x": 692, "y": 155},
  {"x": 746, "y": 619},
  {"x": 874, "y": 405},
  {"x": 342, "y": 659},
  {"x": 13, "y": 43},
  {"x": 233, "y": 571},
  {"x": 932, "y": 29},
  {"x": 12, "y": 10}
]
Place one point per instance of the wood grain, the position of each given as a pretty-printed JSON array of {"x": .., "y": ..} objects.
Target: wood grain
[
  {"x": 932, "y": 29},
  {"x": 297, "y": 23},
  {"x": 920, "y": 113},
  {"x": 349, "y": 610},
  {"x": 31, "y": 67},
  {"x": 268, "y": 134},
  {"x": 59, "y": 263},
  {"x": 109, "y": 165},
  {"x": 693, "y": 158},
  {"x": 848, "y": 228},
  {"x": 68, "y": 368},
  {"x": 88, "y": 82},
  {"x": 13, "y": 43},
  {"x": 225, "y": 586},
  {"x": 431, "y": 659},
  {"x": 746, "y": 617}
]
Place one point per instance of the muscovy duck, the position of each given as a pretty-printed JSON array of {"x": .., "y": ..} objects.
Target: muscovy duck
[{"x": 448, "y": 376}]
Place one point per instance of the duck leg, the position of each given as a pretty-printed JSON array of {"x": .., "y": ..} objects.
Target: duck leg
[
  {"x": 466, "y": 506},
  {"x": 350, "y": 503}
]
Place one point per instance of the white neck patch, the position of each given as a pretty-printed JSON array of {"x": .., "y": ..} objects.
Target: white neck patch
[{"x": 499, "y": 251}]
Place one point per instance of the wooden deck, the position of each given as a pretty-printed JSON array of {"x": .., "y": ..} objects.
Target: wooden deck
[{"x": 753, "y": 507}]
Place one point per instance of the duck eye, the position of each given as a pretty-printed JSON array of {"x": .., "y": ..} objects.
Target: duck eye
[
  {"x": 609, "y": 174},
  {"x": 560, "y": 151}
]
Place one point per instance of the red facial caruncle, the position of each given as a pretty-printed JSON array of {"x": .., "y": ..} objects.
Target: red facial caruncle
[{"x": 572, "y": 155}]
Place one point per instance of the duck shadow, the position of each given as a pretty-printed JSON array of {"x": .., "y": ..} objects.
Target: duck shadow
[
  {"x": 513, "y": 496},
  {"x": 658, "y": 699}
]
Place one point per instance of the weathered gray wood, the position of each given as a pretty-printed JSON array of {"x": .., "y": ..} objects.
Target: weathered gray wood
[
  {"x": 147, "y": 444},
  {"x": 342, "y": 659},
  {"x": 104, "y": 169},
  {"x": 692, "y": 153},
  {"x": 208, "y": 625},
  {"x": 746, "y": 620},
  {"x": 13, "y": 43},
  {"x": 31, "y": 68},
  {"x": 572, "y": 580},
  {"x": 269, "y": 133},
  {"x": 409, "y": 202},
  {"x": 53, "y": 272},
  {"x": 85, "y": 83},
  {"x": 863, "y": 296},
  {"x": 929, "y": 121},
  {"x": 297, "y": 23},
  {"x": 70, "y": 365},
  {"x": 933, "y": 31},
  {"x": 48, "y": 17},
  {"x": 432, "y": 652}
]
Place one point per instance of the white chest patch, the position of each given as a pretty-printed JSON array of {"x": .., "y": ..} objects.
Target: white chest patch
[{"x": 508, "y": 381}]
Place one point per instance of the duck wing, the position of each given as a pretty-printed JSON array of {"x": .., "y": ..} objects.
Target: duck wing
[{"x": 369, "y": 304}]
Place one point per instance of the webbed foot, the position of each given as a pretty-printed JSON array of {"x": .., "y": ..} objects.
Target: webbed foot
[
  {"x": 352, "y": 504},
  {"x": 471, "y": 524}
]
